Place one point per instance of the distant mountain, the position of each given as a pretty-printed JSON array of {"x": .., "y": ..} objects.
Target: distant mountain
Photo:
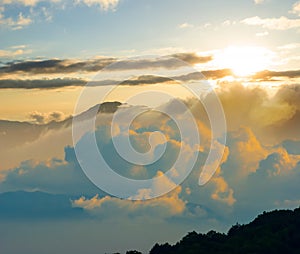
[
  {"x": 15, "y": 133},
  {"x": 271, "y": 232},
  {"x": 37, "y": 205}
]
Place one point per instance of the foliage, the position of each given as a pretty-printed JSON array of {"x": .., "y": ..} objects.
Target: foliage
[{"x": 272, "y": 232}]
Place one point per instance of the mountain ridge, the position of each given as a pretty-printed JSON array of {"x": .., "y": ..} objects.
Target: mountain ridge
[{"x": 271, "y": 232}]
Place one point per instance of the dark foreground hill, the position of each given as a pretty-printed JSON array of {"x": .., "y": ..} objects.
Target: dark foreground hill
[{"x": 272, "y": 232}]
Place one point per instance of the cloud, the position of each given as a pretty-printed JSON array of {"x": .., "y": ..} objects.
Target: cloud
[
  {"x": 42, "y": 8},
  {"x": 296, "y": 8},
  {"x": 72, "y": 82},
  {"x": 209, "y": 74},
  {"x": 246, "y": 152},
  {"x": 192, "y": 58},
  {"x": 42, "y": 83},
  {"x": 268, "y": 75},
  {"x": 280, "y": 163},
  {"x": 143, "y": 80},
  {"x": 222, "y": 192},
  {"x": 163, "y": 207},
  {"x": 285, "y": 128},
  {"x": 21, "y": 74},
  {"x": 55, "y": 66},
  {"x": 282, "y": 23},
  {"x": 52, "y": 176},
  {"x": 259, "y": 171},
  {"x": 12, "y": 53},
  {"x": 271, "y": 189},
  {"x": 22, "y": 141},
  {"x": 259, "y": 1},
  {"x": 245, "y": 107},
  {"x": 289, "y": 46},
  {"x": 185, "y": 25},
  {"x": 228, "y": 22},
  {"x": 16, "y": 24},
  {"x": 23, "y": 2},
  {"x": 250, "y": 107},
  {"x": 262, "y": 34},
  {"x": 291, "y": 146},
  {"x": 217, "y": 74},
  {"x": 44, "y": 118},
  {"x": 137, "y": 81},
  {"x": 259, "y": 127},
  {"x": 105, "y": 5},
  {"x": 28, "y": 2},
  {"x": 254, "y": 108},
  {"x": 166, "y": 62}
]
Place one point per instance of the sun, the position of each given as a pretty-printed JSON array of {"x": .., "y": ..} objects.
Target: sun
[{"x": 244, "y": 61}]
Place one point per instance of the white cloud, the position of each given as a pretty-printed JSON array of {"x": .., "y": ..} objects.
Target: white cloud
[
  {"x": 290, "y": 46},
  {"x": 165, "y": 206},
  {"x": 223, "y": 192},
  {"x": 19, "y": 23},
  {"x": 19, "y": 47},
  {"x": 227, "y": 23},
  {"x": 104, "y": 4},
  {"x": 12, "y": 53},
  {"x": 296, "y": 8},
  {"x": 282, "y": 23},
  {"x": 23, "y": 2},
  {"x": 262, "y": 34},
  {"x": 44, "y": 118},
  {"x": 185, "y": 25},
  {"x": 22, "y": 21},
  {"x": 259, "y": 1}
]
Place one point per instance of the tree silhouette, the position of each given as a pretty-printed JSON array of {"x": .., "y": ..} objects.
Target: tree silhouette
[{"x": 272, "y": 232}]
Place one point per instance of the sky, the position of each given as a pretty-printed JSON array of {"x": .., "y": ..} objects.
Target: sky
[{"x": 194, "y": 104}]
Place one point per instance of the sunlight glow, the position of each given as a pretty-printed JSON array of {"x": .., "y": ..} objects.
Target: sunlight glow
[{"x": 244, "y": 61}]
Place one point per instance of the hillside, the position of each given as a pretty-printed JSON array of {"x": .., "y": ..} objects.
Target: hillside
[{"x": 271, "y": 232}]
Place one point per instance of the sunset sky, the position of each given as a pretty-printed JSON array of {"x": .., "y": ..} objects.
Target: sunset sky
[{"x": 141, "y": 53}]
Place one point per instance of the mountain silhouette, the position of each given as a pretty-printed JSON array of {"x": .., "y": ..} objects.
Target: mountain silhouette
[{"x": 271, "y": 232}]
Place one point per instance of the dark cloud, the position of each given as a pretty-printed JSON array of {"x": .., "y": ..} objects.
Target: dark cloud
[
  {"x": 68, "y": 82},
  {"x": 41, "y": 83},
  {"x": 146, "y": 80},
  {"x": 43, "y": 118},
  {"x": 140, "y": 80},
  {"x": 64, "y": 66},
  {"x": 268, "y": 75},
  {"x": 140, "y": 64},
  {"x": 169, "y": 62},
  {"x": 52, "y": 66},
  {"x": 210, "y": 74},
  {"x": 216, "y": 74},
  {"x": 192, "y": 58}
]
